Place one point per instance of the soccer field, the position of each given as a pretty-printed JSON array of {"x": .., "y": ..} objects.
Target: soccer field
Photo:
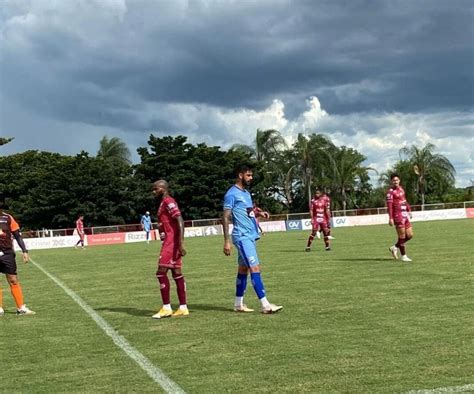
[{"x": 354, "y": 320}]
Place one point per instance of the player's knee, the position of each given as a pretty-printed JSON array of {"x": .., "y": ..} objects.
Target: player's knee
[{"x": 12, "y": 279}]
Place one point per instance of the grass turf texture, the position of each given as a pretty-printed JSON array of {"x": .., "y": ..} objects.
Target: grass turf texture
[{"x": 355, "y": 320}]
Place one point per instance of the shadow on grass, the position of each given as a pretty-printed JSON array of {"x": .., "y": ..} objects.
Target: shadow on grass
[
  {"x": 367, "y": 259},
  {"x": 148, "y": 312},
  {"x": 129, "y": 311},
  {"x": 206, "y": 307}
]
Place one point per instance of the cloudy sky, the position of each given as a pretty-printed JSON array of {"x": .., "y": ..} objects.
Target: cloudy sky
[{"x": 374, "y": 75}]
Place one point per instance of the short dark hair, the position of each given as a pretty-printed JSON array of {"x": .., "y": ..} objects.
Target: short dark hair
[
  {"x": 394, "y": 175},
  {"x": 241, "y": 168}
]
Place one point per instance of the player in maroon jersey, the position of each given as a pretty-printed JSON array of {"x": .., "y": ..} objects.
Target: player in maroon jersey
[
  {"x": 171, "y": 224},
  {"x": 10, "y": 229},
  {"x": 399, "y": 213},
  {"x": 259, "y": 213},
  {"x": 320, "y": 211},
  {"x": 80, "y": 231}
]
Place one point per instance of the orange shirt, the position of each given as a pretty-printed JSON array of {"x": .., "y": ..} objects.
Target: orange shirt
[{"x": 7, "y": 226}]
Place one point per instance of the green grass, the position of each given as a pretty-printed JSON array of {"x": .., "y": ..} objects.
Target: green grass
[{"x": 354, "y": 319}]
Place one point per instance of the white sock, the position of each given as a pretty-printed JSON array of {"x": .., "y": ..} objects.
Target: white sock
[
  {"x": 183, "y": 307},
  {"x": 265, "y": 303},
  {"x": 239, "y": 301},
  {"x": 167, "y": 307}
]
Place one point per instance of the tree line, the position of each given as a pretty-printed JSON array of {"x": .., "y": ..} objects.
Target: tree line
[{"x": 50, "y": 190}]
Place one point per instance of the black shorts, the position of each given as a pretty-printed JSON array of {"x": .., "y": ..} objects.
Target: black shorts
[{"x": 8, "y": 262}]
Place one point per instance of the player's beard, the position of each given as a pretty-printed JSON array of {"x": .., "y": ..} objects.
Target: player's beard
[{"x": 246, "y": 183}]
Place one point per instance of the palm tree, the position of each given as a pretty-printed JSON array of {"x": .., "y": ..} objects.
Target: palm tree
[
  {"x": 429, "y": 166},
  {"x": 114, "y": 149},
  {"x": 311, "y": 154},
  {"x": 6, "y": 140},
  {"x": 347, "y": 169},
  {"x": 266, "y": 145}
]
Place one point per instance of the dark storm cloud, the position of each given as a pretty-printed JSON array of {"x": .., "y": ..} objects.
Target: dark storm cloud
[{"x": 236, "y": 54}]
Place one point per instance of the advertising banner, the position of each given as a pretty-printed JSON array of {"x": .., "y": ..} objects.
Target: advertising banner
[
  {"x": 294, "y": 225},
  {"x": 105, "y": 239},
  {"x": 49, "y": 242},
  {"x": 470, "y": 212},
  {"x": 212, "y": 230},
  {"x": 439, "y": 214},
  {"x": 138, "y": 236},
  {"x": 269, "y": 227}
]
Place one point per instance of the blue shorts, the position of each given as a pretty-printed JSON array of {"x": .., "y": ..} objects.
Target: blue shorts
[{"x": 247, "y": 252}]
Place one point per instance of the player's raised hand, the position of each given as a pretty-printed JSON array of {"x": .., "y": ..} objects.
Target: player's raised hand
[
  {"x": 227, "y": 248},
  {"x": 26, "y": 258}
]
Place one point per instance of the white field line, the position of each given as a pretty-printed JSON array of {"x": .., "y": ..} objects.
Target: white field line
[
  {"x": 154, "y": 372},
  {"x": 454, "y": 389}
]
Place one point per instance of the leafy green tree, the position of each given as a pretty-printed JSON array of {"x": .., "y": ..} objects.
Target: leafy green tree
[
  {"x": 199, "y": 175},
  {"x": 435, "y": 173},
  {"x": 114, "y": 149},
  {"x": 6, "y": 140},
  {"x": 349, "y": 177}
]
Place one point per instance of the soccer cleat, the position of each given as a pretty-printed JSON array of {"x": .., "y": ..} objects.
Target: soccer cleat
[
  {"x": 331, "y": 237},
  {"x": 327, "y": 248},
  {"x": 318, "y": 234},
  {"x": 181, "y": 312},
  {"x": 162, "y": 313},
  {"x": 272, "y": 309},
  {"x": 242, "y": 308},
  {"x": 2, "y": 312},
  {"x": 394, "y": 251},
  {"x": 24, "y": 311},
  {"x": 406, "y": 258},
  {"x": 308, "y": 249}
]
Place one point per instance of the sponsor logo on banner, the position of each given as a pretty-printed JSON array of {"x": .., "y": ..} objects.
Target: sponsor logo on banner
[
  {"x": 136, "y": 236},
  {"x": 48, "y": 242},
  {"x": 306, "y": 224},
  {"x": 212, "y": 230},
  {"x": 340, "y": 221},
  {"x": 293, "y": 225},
  {"x": 269, "y": 227},
  {"x": 439, "y": 214},
  {"x": 193, "y": 232},
  {"x": 105, "y": 239}
]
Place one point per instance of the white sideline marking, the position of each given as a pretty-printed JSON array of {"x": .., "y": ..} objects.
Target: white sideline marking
[
  {"x": 455, "y": 389},
  {"x": 154, "y": 372}
]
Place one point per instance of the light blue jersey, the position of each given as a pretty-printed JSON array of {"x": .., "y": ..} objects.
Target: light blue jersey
[
  {"x": 243, "y": 218},
  {"x": 146, "y": 223}
]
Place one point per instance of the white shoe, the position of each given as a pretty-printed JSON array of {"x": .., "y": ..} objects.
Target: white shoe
[
  {"x": 2, "y": 312},
  {"x": 394, "y": 251},
  {"x": 331, "y": 237},
  {"x": 318, "y": 234},
  {"x": 272, "y": 308},
  {"x": 24, "y": 311},
  {"x": 242, "y": 308},
  {"x": 406, "y": 258}
]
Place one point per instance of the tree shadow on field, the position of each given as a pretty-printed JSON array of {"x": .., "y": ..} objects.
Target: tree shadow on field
[{"x": 129, "y": 311}]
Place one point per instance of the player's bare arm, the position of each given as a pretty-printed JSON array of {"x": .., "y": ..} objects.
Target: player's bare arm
[
  {"x": 180, "y": 220},
  {"x": 225, "y": 227}
]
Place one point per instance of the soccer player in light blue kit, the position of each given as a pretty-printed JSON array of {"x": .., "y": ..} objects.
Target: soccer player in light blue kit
[
  {"x": 146, "y": 225},
  {"x": 238, "y": 206}
]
